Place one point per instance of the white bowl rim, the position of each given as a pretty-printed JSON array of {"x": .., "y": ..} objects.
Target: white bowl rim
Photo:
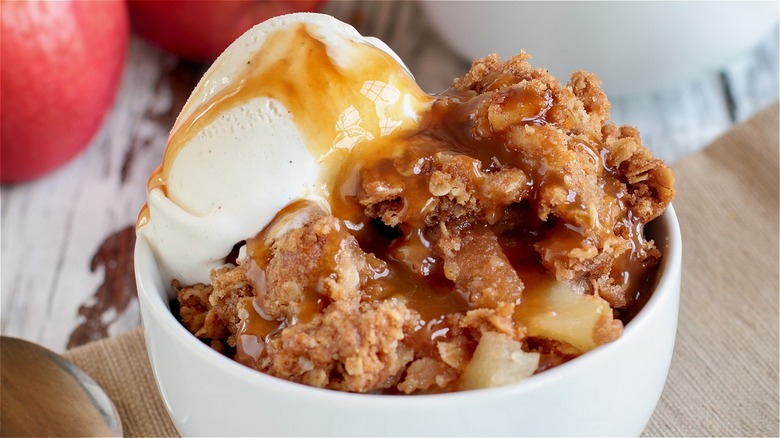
[{"x": 670, "y": 262}]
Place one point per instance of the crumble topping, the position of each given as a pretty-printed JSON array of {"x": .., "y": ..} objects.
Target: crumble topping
[{"x": 502, "y": 238}]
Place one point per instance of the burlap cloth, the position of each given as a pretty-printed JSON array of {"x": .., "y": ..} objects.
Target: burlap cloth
[{"x": 724, "y": 375}]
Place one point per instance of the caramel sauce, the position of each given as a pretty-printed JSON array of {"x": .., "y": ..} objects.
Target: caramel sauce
[
  {"x": 253, "y": 333},
  {"x": 431, "y": 296},
  {"x": 518, "y": 245},
  {"x": 143, "y": 216}
]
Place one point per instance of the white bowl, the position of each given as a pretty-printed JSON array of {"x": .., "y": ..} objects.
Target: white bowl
[
  {"x": 633, "y": 47},
  {"x": 612, "y": 390}
]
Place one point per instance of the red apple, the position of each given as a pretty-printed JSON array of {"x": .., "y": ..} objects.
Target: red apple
[
  {"x": 61, "y": 66},
  {"x": 201, "y": 30}
]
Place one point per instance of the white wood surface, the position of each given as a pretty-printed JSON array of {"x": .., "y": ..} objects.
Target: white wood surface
[{"x": 51, "y": 229}]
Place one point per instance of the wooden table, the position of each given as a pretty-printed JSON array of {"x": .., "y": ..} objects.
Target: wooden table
[{"x": 66, "y": 264}]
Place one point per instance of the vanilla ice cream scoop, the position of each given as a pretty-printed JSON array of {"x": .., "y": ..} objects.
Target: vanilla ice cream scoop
[{"x": 268, "y": 123}]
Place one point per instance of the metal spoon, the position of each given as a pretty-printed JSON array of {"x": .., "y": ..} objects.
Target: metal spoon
[{"x": 43, "y": 394}]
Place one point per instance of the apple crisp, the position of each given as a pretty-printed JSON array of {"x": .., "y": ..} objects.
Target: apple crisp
[{"x": 503, "y": 237}]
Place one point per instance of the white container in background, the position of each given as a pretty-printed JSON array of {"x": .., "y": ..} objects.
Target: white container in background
[{"x": 633, "y": 46}]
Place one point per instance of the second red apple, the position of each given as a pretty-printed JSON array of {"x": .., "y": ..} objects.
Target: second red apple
[{"x": 201, "y": 30}]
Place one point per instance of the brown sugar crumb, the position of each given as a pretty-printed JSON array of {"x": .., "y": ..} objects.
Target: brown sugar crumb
[
  {"x": 478, "y": 267},
  {"x": 211, "y": 312},
  {"x": 342, "y": 349},
  {"x": 503, "y": 237},
  {"x": 455, "y": 353},
  {"x": 649, "y": 181},
  {"x": 427, "y": 375},
  {"x": 497, "y": 320},
  {"x": 193, "y": 305}
]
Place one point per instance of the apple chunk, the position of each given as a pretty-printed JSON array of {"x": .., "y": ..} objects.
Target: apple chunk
[
  {"x": 498, "y": 360},
  {"x": 561, "y": 314}
]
